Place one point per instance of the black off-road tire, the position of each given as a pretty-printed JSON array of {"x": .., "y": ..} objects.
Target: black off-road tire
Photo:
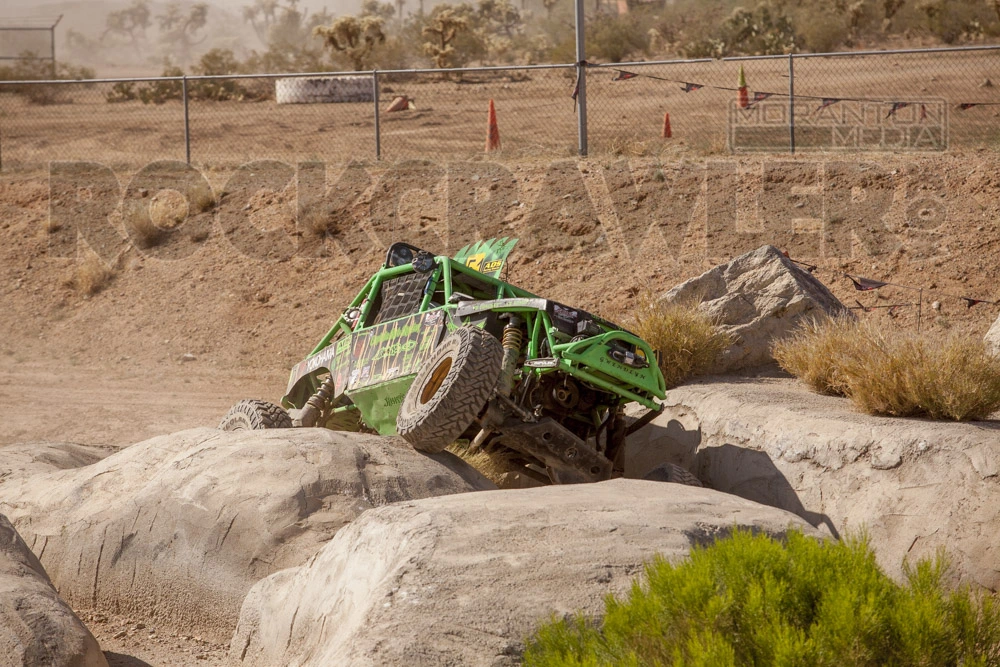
[
  {"x": 668, "y": 472},
  {"x": 450, "y": 389},
  {"x": 252, "y": 415}
]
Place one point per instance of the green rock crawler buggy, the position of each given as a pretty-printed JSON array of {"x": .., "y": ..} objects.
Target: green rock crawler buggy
[{"x": 438, "y": 349}]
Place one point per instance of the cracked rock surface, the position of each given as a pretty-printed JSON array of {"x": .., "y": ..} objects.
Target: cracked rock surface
[
  {"x": 36, "y": 626},
  {"x": 462, "y": 580},
  {"x": 175, "y": 530}
]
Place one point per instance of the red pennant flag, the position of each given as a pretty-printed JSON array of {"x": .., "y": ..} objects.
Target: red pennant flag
[
  {"x": 827, "y": 101},
  {"x": 757, "y": 97},
  {"x": 688, "y": 87},
  {"x": 967, "y": 105},
  {"x": 865, "y": 284},
  {"x": 969, "y": 303},
  {"x": 624, "y": 76},
  {"x": 742, "y": 98},
  {"x": 923, "y": 111},
  {"x": 896, "y": 106}
]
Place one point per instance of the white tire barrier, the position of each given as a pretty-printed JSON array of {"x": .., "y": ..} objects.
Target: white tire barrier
[{"x": 315, "y": 90}]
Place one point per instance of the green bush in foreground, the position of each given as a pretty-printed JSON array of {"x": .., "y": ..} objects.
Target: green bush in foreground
[
  {"x": 895, "y": 373},
  {"x": 750, "y": 600}
]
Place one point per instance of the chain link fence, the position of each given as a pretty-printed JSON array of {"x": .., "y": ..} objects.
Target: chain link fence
[{"x": 919, "y": 100}]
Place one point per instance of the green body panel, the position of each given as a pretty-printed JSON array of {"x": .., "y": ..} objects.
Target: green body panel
[
  {"x": 487, "y": 257},
  {"x": 379, "y": 403},
  {"x": 373, "y": 366},
  {"x": 592, "y": 354}
]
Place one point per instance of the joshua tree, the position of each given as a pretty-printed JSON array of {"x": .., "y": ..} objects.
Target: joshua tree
[
  {"x": 444, "y": 26},
  {"x": 384, "y": 10},
  {"x": 354, "y": 37},
  {"x": 503, "y": 16},
  {"x": 130, "y": 22},
  {"x": 261, "y": 15},
  {"x": 180, "y": 30}
]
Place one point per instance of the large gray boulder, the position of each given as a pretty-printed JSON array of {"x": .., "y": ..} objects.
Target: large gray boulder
[
  {"x": 36, "y": 626},
  {"x": 175, "y": 530},
  {"x": 462, "y": 580},
  {"x": 914, "y": 485},
  {"x": 758, "y": 298},
  {"x": 21, "y": 460},
  {"x": 993, "y": 337}
]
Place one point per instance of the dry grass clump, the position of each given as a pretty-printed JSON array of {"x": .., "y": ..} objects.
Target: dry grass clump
[
  {"x": 893, "y": 373},
  {"x": 91, "y": 274},
  {"x": 688, "y": 341},
  {"x": 140, "y": 226},
  {"x": 493, "y": 465}
]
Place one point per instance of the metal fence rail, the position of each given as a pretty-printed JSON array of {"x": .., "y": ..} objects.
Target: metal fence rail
[{"x": 923, "y": 100}]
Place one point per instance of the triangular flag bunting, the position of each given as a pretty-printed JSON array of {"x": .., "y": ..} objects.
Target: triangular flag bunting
[
  {"x": 688, "y": 87},
  {"x": 865, "y": 284},
  {"x": 623, "y": 75},
  {"x": 896, "y": 106}
]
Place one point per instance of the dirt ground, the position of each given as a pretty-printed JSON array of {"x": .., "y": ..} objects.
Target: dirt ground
[{"x": 174, "y": 333}]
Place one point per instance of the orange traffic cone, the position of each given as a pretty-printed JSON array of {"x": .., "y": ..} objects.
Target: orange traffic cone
[
  {"x": 742, "y": 98},
  {"x": 666, "y": 126},
  {"x": 492, "y": 130},
  {"x": 400, "y": 103}
]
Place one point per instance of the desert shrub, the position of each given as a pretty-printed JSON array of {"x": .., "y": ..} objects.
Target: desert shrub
[
  {"x": 122, "y": 91},
  {"x": 751, "y": 600},
  {"x": 29, "y": 68},
  {"x": 687, "y": 340},
  {"x": 159, "y": 92},
  {"x": 764, "y": 29},
  {"x": 894, "y": 373},
  {"x": 615, "y": 38},
  {"x": 218, "y": 62}
]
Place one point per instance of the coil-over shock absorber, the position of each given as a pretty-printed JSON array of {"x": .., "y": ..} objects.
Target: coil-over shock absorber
[
  {"x": 511, "y": 341},
  {"x": 316, "y": 404}
]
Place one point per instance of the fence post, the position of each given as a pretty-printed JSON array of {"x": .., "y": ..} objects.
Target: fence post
[
  {"x": 791, "y": 103},
  {"x": 187, "y": 120},
  {"x": 378, "y": 126},
  {"x": 52, "y": 46},
  {"x": 581, "y": 79}
]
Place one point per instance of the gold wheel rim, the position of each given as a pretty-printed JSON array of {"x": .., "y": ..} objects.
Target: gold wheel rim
[{"x": 435, "y": 381}]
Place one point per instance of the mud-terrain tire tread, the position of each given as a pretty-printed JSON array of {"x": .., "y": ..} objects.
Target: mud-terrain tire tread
[
  {"x": 457, "y": 403},
  {"x": 670, "y": 472},
  {"x": 254, "y": 415}
]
